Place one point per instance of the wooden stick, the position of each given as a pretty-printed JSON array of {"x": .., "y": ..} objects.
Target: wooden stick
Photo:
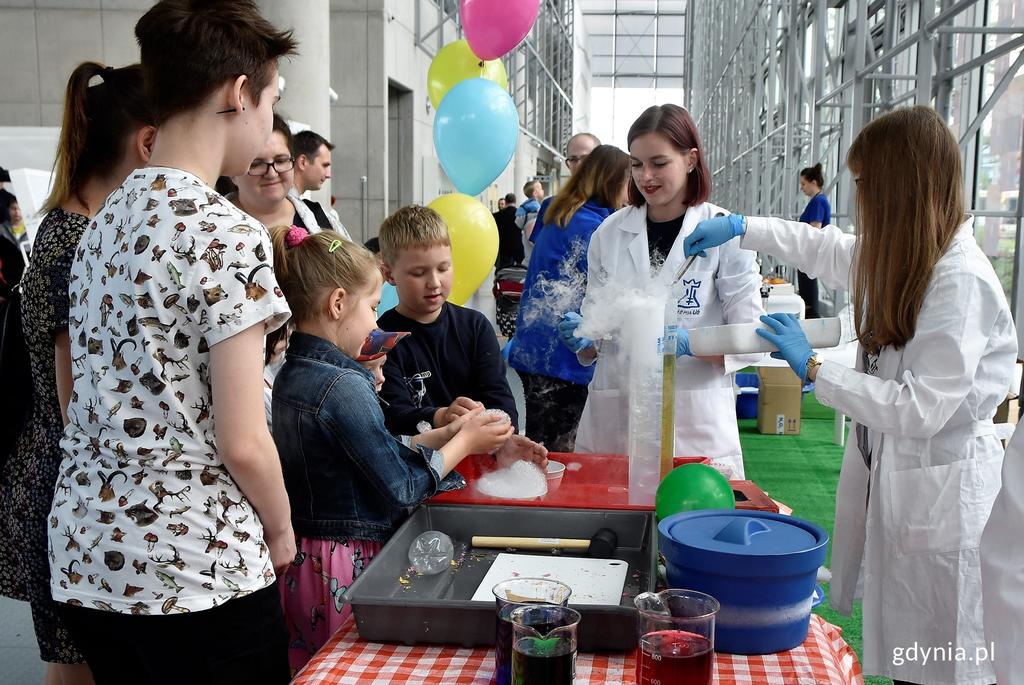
[{"x": 530, "y": 543}]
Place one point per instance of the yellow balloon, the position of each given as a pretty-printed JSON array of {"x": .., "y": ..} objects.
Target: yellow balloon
[
  {"x": 474, "y": 237},
  {"x": 454, "y": 64}
]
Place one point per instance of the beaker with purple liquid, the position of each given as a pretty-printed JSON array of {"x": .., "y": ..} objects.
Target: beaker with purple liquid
[{"x": 509, "y": 595}]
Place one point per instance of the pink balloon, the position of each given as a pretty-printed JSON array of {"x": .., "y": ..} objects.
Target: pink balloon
[{"x": 496, "y": 27}]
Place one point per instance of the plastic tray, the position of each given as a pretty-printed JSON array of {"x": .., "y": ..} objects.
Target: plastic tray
[
  {"x": 437, "y": 609},
  {"x": 591, "y": 481}
]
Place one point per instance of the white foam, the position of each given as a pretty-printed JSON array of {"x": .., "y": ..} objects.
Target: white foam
[{"x": 522, "y": 480}]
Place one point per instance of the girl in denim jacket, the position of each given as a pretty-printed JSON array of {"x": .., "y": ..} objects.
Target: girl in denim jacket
[{"x": 350, "y": 482}]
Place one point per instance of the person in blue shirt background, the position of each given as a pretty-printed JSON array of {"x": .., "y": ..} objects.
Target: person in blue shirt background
[
  {"x": 554, "y": 381},
  {"x": 817, "y": 213}
]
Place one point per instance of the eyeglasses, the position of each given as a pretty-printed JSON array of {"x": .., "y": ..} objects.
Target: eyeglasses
[
  {"x": 574, "y": 159},
  {"x": 281, "y": 165}
]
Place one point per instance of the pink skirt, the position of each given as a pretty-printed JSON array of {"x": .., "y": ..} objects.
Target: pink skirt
[{"x": 312, "y": 591}]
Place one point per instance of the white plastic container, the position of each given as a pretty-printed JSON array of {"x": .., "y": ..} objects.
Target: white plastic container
[
  {"x": 741, "y": 338},
  {"x": 783, "y": 299}
]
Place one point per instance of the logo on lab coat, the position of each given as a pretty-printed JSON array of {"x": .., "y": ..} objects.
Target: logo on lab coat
[{"x": 689, "y": 303}]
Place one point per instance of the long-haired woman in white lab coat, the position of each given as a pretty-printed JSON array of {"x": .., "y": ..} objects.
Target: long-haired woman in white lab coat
[
  {"x": 937, "y": 352},
  {"x": 668, "y": 193}
]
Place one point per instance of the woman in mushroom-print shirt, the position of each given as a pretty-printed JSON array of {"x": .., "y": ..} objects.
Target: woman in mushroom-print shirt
[{"x": 146, "y": 519}]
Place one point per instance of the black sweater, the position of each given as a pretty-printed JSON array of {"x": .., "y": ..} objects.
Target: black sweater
[{"x": 459, "y": 355}]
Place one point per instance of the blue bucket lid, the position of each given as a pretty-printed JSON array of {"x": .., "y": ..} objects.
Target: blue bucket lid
[{"x": 714, "y": 537}]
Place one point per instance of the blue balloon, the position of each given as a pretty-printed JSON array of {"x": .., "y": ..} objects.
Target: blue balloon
[
  {"x": 475, "y": 133},
  {"x": 388, "y": 299}
]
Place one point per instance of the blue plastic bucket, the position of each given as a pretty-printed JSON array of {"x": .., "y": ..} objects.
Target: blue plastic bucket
[
  {"x": 761, "y": 567},
  {"x": 746, "y": 400}
]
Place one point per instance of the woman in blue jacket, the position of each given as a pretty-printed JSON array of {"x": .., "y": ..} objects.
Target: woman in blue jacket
[{"x": 554, "y": 382}]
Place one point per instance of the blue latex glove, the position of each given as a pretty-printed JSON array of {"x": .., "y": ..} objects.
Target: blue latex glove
[
  {"x": 714, "y": 232},
  {"x": 567, "y": 332},
  {"x": 787, "y": 335},
  {"x": 683, "y": 343}
]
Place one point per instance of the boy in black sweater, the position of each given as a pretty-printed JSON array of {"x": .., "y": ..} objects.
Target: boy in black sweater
[{"x": 451, "y": 364}]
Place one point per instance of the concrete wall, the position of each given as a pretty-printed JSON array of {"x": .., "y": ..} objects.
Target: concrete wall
[{"x": 44, "y": 40}]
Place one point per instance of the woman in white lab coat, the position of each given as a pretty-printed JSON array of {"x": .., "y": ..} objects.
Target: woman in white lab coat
[
  {"x": 669, "y": 187},
  {"x": 938, "y": 346}
]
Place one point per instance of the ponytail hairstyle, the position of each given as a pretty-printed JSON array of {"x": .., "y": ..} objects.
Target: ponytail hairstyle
[
  {"x": 814, "y": 174},
  {"x": 307, "y": 264},
  {"x": 95, "y": 128}
]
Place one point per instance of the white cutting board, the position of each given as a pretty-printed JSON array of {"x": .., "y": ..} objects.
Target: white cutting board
[{"x": 593, "y": 581}]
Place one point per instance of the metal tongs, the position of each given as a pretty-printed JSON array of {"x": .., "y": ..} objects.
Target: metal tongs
[{"x": 689, "y": 262}]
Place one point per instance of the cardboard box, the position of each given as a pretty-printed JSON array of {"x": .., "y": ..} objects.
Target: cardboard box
[
  {"x": 1009, "y": 410},
  {"x": 779, "y": 401}
]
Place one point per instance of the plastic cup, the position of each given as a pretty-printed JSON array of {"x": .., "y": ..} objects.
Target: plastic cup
[
  {"x": 509, "y": 595},
  {"x": 676, "y": 630}
]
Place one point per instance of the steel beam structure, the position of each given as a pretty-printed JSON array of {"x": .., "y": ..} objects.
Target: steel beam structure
[
  {"x": 778, "y": 85},
  {"x": 540, "y": 70}
]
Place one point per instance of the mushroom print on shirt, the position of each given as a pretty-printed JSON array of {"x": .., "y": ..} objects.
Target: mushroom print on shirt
[{"x": 146, "y": 519}]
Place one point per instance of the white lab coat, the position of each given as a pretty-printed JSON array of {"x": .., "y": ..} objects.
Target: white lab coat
[
  {"x": 909, "y": 530},
  {"x": 1002, "y": 568},
  {"x": 726, "y": 289}
]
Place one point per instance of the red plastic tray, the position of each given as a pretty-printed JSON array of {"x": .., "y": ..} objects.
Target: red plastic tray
[{"x": 591, "y": 481}]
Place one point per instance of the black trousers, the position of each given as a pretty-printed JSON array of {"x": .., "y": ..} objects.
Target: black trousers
[
  {"x": 809, "y": 293},
  {"x": 241, "y": 641},
  {"x": 553, "y": 410}
]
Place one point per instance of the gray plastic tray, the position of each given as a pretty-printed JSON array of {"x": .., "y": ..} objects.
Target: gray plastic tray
[{"x": 437, "y": 609}]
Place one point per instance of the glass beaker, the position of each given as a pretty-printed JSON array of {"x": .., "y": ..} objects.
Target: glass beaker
[
  {"x": 510, "y": 595},
  {"x": 544, "y": 645},
  {"x": 676, "y": 630}
]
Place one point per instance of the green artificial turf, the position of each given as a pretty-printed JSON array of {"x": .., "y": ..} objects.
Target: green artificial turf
[{"x": 802, "y": 471}]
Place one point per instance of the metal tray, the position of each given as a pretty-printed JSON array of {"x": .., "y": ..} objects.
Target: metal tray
[{"x": 393, "y": 605}]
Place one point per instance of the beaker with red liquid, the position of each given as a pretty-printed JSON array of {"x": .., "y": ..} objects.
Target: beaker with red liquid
[{"x": 676, "y": 637}]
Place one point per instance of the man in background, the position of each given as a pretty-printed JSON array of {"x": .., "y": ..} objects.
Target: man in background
[
  {"x": 578, "y": 147},
  {"x": 312, "y": 155},
  {"x": 510, "y": 236},
  {"x": 312, "y": 161},
  {"x": 576, "y": 150}
]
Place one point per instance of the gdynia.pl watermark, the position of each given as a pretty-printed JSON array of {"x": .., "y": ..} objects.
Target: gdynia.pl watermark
[{"x": 916, "y": 653}]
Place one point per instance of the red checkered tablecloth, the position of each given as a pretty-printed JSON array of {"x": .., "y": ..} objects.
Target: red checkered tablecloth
[{"x": 823, "y": 659}]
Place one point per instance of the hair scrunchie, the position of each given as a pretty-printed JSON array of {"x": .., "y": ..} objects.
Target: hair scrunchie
[{"x": 295, "y": 235}]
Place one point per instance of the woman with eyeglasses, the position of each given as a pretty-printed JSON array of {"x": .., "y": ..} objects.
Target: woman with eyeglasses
[{"x": 263, "y": 191}]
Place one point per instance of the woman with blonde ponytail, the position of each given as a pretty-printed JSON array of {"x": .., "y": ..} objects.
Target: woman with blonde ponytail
[{"x": 107, "y": 132}]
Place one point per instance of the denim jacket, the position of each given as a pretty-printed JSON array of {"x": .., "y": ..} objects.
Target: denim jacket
[{"x": 346, "y": 476}]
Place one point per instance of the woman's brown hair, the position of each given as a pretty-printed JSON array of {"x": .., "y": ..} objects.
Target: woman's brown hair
[
  {"x": 909, "y": 204},
  {"x": 97, "y": 121},
  {"x": 600, "y": 178},
  {"x": 814, "y": 174},
  {"x": 676, "y": 124},
  {"x": 309, "y": 268}
]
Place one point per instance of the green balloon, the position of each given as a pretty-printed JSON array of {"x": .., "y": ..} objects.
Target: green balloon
[{"x": 690, "y": 487}]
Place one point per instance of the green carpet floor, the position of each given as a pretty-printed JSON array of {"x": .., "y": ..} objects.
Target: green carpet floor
[{"x": 802, "y": 471}]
